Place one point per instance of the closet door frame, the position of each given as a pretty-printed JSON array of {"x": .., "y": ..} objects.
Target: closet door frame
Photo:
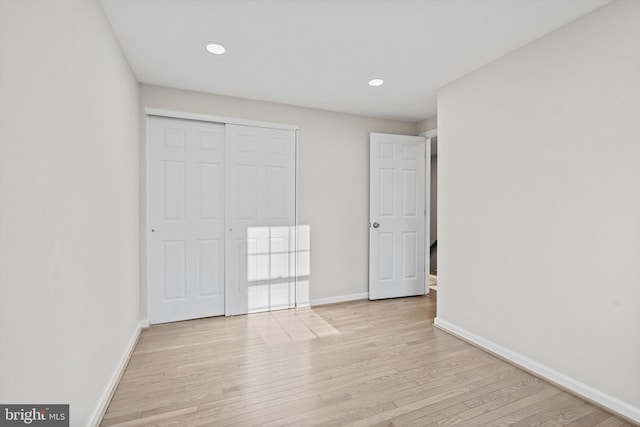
[{"x": 145, "y": 228}]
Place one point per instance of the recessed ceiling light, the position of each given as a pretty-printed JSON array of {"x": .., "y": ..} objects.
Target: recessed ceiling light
[
  {"x": 376, "y": 82},
  {"x": 215, "y": 48}
]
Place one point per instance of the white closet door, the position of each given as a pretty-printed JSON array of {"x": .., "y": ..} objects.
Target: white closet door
[
  {"x": 186, "y": 219},
  {"x": 260, "y": 219},
  {"x": 397, "y": 216}
]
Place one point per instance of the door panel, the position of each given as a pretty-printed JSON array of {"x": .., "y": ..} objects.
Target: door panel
[
  {"x": 397, "y": 215},
  {"x": 210, "y": 254},
  {"x": 175, "y": 270},
  {"x": 186, "y": 190},
  {"x": 260, "y": 214}
]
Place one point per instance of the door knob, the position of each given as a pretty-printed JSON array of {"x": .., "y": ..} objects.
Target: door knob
[{"x": 376, "y": 225}]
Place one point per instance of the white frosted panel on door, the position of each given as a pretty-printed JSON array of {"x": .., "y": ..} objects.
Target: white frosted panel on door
[
  {"x": 386, "y": 251},
  {"x": 211, "y": 141},
  {"x": 210, "y": 191},
  {"x": 209, "y": 257},
  {"x": 409, "y": 192},
  {"x": 387, "y": 151},
  {"x": 275, "y": 192},
  {"x": 387, "y": 186},
  {"x": 247, "y": 181},
  {"x": 175, "y": 263},
  {"x": 275, "y": 146},
  {"x": 409, "y": 255},
  {"x": 409, "y": 152},
  {"x": 174, "y": 138},
  {"x": 247, "y": 143},
  {"x": 173, "y": 176}
]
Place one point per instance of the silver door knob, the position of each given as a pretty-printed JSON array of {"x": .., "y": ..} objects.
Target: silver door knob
[{"x": 376, "y": 225}]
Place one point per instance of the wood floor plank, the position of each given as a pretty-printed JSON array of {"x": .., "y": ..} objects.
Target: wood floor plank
[{"x": 361, "y": 363}]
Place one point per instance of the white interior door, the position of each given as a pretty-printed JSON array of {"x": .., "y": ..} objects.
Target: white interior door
[
  {"x": 260, "y": 219},
  {"x": 397, "y": 232},
  {"x": 186, "y": 219}
]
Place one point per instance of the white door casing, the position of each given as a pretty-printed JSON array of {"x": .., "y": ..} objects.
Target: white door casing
[
  {"x": 260, "y": 210},
  {"x": 397, "y": 214},
  {"x": 186, "y": 219}
]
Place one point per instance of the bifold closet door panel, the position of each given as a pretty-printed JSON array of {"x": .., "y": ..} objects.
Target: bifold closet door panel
[
  {"x": 260, "y": 219},
  {"x": 186, "y": 172}
]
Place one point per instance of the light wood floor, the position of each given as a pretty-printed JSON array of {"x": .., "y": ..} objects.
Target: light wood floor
[{"x": 359, "y": 364}]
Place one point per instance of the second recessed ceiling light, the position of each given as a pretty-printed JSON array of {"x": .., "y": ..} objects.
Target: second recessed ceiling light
[{"x": 215, "y": 48}]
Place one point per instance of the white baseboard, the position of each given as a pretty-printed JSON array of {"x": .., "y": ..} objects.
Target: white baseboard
[
  {"x": 107, "y": 394},
  {"x": 585, "y": 391},
  {"x": 341, "y": 298}
]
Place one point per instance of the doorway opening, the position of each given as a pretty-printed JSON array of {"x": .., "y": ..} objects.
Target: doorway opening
[{"x": 432, "y": 141}]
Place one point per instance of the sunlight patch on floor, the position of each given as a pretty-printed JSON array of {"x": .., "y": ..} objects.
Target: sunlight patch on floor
[{"x": 288, "y": 326}]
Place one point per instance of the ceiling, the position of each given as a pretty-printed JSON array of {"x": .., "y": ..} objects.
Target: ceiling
[{"x": 322, "y": 53}]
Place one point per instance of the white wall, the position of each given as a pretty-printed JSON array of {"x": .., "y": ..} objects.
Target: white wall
[
  {"x": 433, "y": 200},
  {"x": 69, "y": 265},
  {"x": 427, "y": 124},
  {"x": 333, "y": 186},
  {"x": 539, "y": 220}
]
